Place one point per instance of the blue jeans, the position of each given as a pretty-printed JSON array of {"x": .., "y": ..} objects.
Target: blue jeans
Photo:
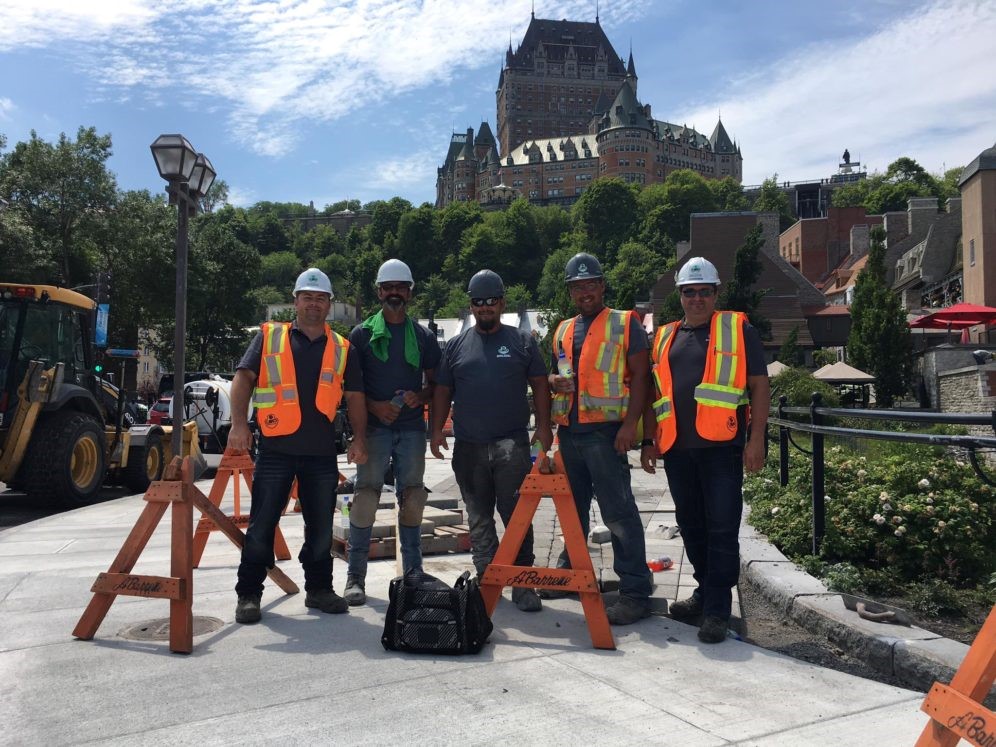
[
  {"x": 595, "y": 469},
  {"x": 489, "y": 476},
  {"x": 317, "y": 479},
  {"x": 707, "y": 487},
  {"x": 407, "y": 450}
]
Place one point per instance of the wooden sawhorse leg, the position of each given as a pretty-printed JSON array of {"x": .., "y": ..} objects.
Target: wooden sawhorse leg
[{"x": 580, "y": 577}]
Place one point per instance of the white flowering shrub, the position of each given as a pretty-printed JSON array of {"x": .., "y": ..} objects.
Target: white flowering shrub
[{"x": 914, "y": 513}]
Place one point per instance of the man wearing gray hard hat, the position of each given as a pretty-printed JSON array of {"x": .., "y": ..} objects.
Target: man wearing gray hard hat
[
  {"x": 599, "y": 386},
  {"x": 297, "y": 373},
  {"x": 484, "y": 372}
]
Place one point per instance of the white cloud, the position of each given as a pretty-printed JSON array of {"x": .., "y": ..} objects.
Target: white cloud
[
  {"x": 397, "y": 173},
  {"x": 277, "y": 63},
  {"x": 922, "y": 86},
  {"x": 6, "y": 107},
  {"x": 241, "y": 197}
]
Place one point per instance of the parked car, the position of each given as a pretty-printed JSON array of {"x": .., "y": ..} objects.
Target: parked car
[{"x": 159, "y": 412}]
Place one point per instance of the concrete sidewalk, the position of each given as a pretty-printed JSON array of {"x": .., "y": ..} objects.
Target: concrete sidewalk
[{"x": 305, "y": 675}]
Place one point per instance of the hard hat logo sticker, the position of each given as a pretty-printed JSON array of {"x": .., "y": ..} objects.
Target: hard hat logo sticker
[{"x": 582, "y": 267}]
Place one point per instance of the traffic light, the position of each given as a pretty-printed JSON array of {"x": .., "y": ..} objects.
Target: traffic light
[
  {"x": 98, "y": 364},
  {"x": 104, "y": 286}
]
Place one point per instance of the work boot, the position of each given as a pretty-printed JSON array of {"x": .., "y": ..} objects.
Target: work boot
[
  {"x": 713, "y": 629},
  {"x": 627, "y": 611},
  {"x": 326, "y": 601},
  {"x": 687, "y": 608},
  {"x": 247, "y": 610},
  {"x": 526, "y": 600},
  {"x": 355, "y": 593}
]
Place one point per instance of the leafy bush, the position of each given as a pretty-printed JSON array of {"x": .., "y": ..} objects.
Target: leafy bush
[
  {"x": 910, "y": 515},
  {"x": 798, "y": 385}
]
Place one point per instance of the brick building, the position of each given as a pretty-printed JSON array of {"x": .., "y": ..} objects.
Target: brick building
[
  {"x": 816, "y": 246},
  {"x": 791, "y": 301},
  {"x": 978, "y": 197},
  {"x": 568, "y": 112}
]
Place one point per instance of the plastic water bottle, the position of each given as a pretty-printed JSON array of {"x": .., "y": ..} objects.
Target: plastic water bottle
[
  {"x": 398, "y": 400},
  {"x": 344, "y": 512},
  {"x": 662, "y": 563},
  {"x": 564, "y": 368},
  {"x": 534, "y": 451}
]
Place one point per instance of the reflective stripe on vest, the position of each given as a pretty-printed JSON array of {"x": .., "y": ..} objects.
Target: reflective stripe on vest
[
  {"x": 602, "y": 371},
  {"x": 723, "y": 387},
  {"x": 276, "y": 396}
]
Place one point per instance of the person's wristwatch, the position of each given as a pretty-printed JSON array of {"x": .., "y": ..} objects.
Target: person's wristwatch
[{"x": 646, "y": 442}]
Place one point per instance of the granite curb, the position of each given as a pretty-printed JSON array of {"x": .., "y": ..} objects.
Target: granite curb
[{"x": 916, "y": 657}]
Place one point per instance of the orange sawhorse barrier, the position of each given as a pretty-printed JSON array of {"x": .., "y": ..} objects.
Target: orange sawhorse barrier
[
  {"x": 175, "y": 491},
  {"x": 233, "y": 465},
  {"x": 580, "y": 577},
  {"x": 956, "y": 710}
]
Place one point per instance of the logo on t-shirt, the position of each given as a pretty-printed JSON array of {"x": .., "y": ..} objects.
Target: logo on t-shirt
[{"x": 503, "y": 352}]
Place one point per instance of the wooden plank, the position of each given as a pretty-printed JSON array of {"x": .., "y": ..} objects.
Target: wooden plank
[
  {"x": 228, "y": 528},
  {"x": 181, "y": 610},
  {"x": 129, "y": 585},
  {"x": 962, "y": 717},
  {"x": 126, "y": 558},
  {"x": 164, "y": 491},
  {"x": 564, "y": 579}
]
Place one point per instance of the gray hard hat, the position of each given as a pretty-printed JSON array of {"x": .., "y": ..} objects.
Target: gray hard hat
[
  {"x": 486, "y": 284},
  {"x": 582, "y": 266}
]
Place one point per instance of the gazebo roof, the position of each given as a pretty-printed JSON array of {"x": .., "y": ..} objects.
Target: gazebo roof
[{"x": 841, "y": 373}]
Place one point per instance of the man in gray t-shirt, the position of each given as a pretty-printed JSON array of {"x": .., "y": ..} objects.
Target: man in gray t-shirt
[{"x": 484, "y": 372}]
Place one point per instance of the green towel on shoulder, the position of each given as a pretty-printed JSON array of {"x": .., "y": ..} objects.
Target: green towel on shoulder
[{"x": 380, "y": 339}]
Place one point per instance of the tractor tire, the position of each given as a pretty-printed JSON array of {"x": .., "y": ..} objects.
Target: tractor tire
[
  {"x": 145, "y": 464},
  {"x": 66, "y": 459}
]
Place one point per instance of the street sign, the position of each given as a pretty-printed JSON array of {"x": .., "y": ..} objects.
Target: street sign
[
  {"x": 100, "y": 335},
  {"x": 121, "y": 353}
]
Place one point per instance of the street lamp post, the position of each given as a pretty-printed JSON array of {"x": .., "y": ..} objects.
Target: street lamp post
[{"x": 189, "y": 175}]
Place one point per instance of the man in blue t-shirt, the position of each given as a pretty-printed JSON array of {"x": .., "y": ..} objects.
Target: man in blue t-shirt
[
  {"x": 399, "y": 358},
  {"x": 484, "y": 373}
]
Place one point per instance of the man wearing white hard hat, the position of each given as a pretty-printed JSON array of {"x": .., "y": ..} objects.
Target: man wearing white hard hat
[
  {"x": 707, "y": 368},
  {"x": 398, "y": 357},
  {"x": 297, "y": 373}
]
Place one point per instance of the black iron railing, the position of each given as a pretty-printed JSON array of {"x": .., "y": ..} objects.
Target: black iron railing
[{"x": 817, "y": 417}]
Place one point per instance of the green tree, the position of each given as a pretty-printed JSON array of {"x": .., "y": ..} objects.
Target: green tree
[
  {"x": 636, "y": 270},
  {"x": 386, "y": 215},
  {"x": 418, "y": 241},
  {"x": 518, "y": 297},
  {"x": 948, "y": 182},
  {"x": 772, "y": 199},
  {"x": 552, "y": 290},
  {"x": 790, "y": 353},
  {"x": 891, "y": 191},
  {"x": 879, "y": 342},
  {"x": 280, "y": 270},
  {"x": 432, "y": 296},
  {"x": 140, "y": 255},
  {"x": 453, "y": 220},
  {"x": 606, "y": 213},
  {"x": 64, "y": 194},
  {"x": 216, "y": 197},
  {"x": 666, "y": 208},
  {"x": 671, "y": 310},
  {"x": 223, "y": 274},
  {"x": 728, "y": 195},
  {"x": 739, "y": 293}
]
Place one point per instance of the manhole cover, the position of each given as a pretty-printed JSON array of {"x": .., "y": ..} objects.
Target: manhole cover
[{"x": 158, "y": 630}]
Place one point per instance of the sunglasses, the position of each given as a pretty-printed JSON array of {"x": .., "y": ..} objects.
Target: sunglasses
[
  {"x": 490, "y": 301},
  {"x": 394, "y": 287},
  {"x": 701, "y": 292}
]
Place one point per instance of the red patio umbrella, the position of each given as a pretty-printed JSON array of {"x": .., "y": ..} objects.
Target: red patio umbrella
[{"x": 959, "y": 316}]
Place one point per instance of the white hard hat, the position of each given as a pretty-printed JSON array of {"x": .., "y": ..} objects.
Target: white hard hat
[
  {"x": 313, "y": 279},
  {"x": 695, "y": 271},
  {"x": 395, "y": 271}
]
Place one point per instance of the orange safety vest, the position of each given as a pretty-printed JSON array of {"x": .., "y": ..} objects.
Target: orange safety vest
[
  {"x": 724, "y": 382},
  {"x": 275, "y": 396},
  {"x": 602, "y": 373}
]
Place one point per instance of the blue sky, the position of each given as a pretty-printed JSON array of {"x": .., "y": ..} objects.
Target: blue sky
[{"x": 298, "y": 100}]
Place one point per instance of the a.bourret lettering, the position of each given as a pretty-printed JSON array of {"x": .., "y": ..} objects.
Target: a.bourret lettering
[
  {"x": 137, "y": 585},
  {"x": 532, "y": 578},
  {"x": 974, "y": 728}
]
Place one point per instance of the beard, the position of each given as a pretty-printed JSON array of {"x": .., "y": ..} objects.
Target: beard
[
  {"x": 394, "y": 301},
  {"x": 488, "y": 324}
]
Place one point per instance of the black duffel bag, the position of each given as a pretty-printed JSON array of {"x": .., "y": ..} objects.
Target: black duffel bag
[{"x": 427, "y": 615}]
